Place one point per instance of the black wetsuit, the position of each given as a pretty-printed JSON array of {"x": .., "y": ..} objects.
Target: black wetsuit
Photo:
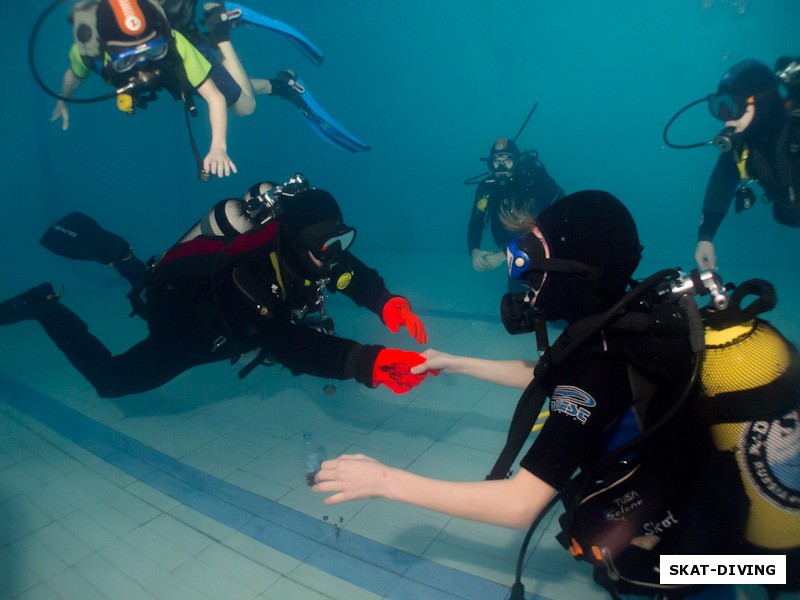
[
  {"x": 252, "y": 305},
  {"x": 591, "y": 395},
  {"x": 768, "y": 163},
  {"x": 532, "y": 185}
]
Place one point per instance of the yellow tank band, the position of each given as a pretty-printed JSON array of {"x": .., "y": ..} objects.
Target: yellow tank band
[{"x": 726, "y": 336}]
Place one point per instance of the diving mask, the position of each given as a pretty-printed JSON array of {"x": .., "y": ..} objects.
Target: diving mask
[
  {"x": 725, "y": 107},
  {"x": 151, "y": 50},
  {"x": 527, "y": 256},
  {"x": 502, "y": 164},
  {"x": 529, "y": 261},
  {"x": 327, "y": 241}
]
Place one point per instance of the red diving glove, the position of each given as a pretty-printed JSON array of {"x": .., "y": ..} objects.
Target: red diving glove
[
  {"x": 397, "y": 312},
  {"x": 392, "y": 368}
]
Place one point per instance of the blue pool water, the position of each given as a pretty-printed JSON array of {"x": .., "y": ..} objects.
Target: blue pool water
[{"x": 197, "y": 490}]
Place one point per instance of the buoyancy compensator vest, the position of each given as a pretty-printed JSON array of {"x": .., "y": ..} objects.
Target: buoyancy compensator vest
[{"x": 715, "y": 466}]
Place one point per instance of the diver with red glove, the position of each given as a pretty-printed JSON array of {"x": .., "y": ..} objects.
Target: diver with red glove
[{"x": 250, "y": 278}]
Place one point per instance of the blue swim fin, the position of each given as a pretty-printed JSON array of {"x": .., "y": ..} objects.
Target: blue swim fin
[
  {"x": 324, "y": 125},
  {"x": 288, "y": 87},
  {"x": 297, "y": 39}
]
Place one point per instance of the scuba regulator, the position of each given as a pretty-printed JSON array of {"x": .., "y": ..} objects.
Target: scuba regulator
[
  {"x": 139, "y": 91},
  {"x": 265, "y": 207}
]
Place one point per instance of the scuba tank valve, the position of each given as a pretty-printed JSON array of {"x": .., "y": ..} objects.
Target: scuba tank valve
[
  {"x": 265, "y": 206},
  {"x": 696, "y": 283},
  {"x": 789, "y": 72}
]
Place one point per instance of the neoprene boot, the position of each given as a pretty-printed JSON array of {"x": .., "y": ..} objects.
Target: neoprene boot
[
  {"x": 219, "y": 21},
  {"x": 24, "y": 307}
]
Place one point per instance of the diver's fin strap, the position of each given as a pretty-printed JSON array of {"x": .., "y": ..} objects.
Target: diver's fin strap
[{"x": 226, "y": 18}]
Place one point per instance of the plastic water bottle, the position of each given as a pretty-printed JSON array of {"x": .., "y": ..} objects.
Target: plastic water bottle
[{"x": 313, "y": 456}]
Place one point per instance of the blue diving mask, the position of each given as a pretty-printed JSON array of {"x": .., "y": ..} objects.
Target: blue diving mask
[
  {"x": 529, "y": 261},
  {"x": 151, "y": 50},
  {"x": 526, "y": 258}
]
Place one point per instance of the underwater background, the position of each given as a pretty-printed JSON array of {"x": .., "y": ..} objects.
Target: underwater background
[{"x": 429, "y": 86}]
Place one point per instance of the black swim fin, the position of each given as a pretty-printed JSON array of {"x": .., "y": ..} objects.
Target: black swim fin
[{"x": 79, "y": 237}]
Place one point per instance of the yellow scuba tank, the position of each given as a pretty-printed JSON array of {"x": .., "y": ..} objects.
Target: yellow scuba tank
[{"x": 749, "y": 382}]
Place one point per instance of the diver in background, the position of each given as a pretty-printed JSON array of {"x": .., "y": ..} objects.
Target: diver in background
[
  {"x": 243, "y": 279},
  {"x": 515, "y": 179},
  {"x": 163, "y": 48},
  {"x": 761, "y": 145}
]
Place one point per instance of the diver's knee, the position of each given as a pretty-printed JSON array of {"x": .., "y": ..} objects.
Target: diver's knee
[{"x": 244, "y": 106}]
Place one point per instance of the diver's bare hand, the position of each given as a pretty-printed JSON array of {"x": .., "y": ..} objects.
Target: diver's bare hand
[
  {"x": 435, "y": 362},
  {"x": 60, "y": 111},
  {"x": 217, "y": 162},
  {"x": 351, "y": 477}
]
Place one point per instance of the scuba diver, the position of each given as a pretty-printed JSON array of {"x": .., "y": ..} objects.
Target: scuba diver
[
  {"x": 515, "y": 179},
  {"x": 760, "y": 144},
  {"x": 620, "y": 379},
  {"x": 161, "y": 47},
  {"x": 251, "y": 277}
]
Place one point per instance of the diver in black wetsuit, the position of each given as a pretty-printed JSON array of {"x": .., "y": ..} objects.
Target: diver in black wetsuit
[
  {"x": 237, "y": 282},
  {"x": 515, "y": 179},
  {"x": 760, "y": 134}
]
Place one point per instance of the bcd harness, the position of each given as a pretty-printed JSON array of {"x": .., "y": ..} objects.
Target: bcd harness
[{"x": 629, "y": 326}]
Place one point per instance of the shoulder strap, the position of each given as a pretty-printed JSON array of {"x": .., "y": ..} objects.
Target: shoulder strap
[{"x": 573, "y": 338}]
